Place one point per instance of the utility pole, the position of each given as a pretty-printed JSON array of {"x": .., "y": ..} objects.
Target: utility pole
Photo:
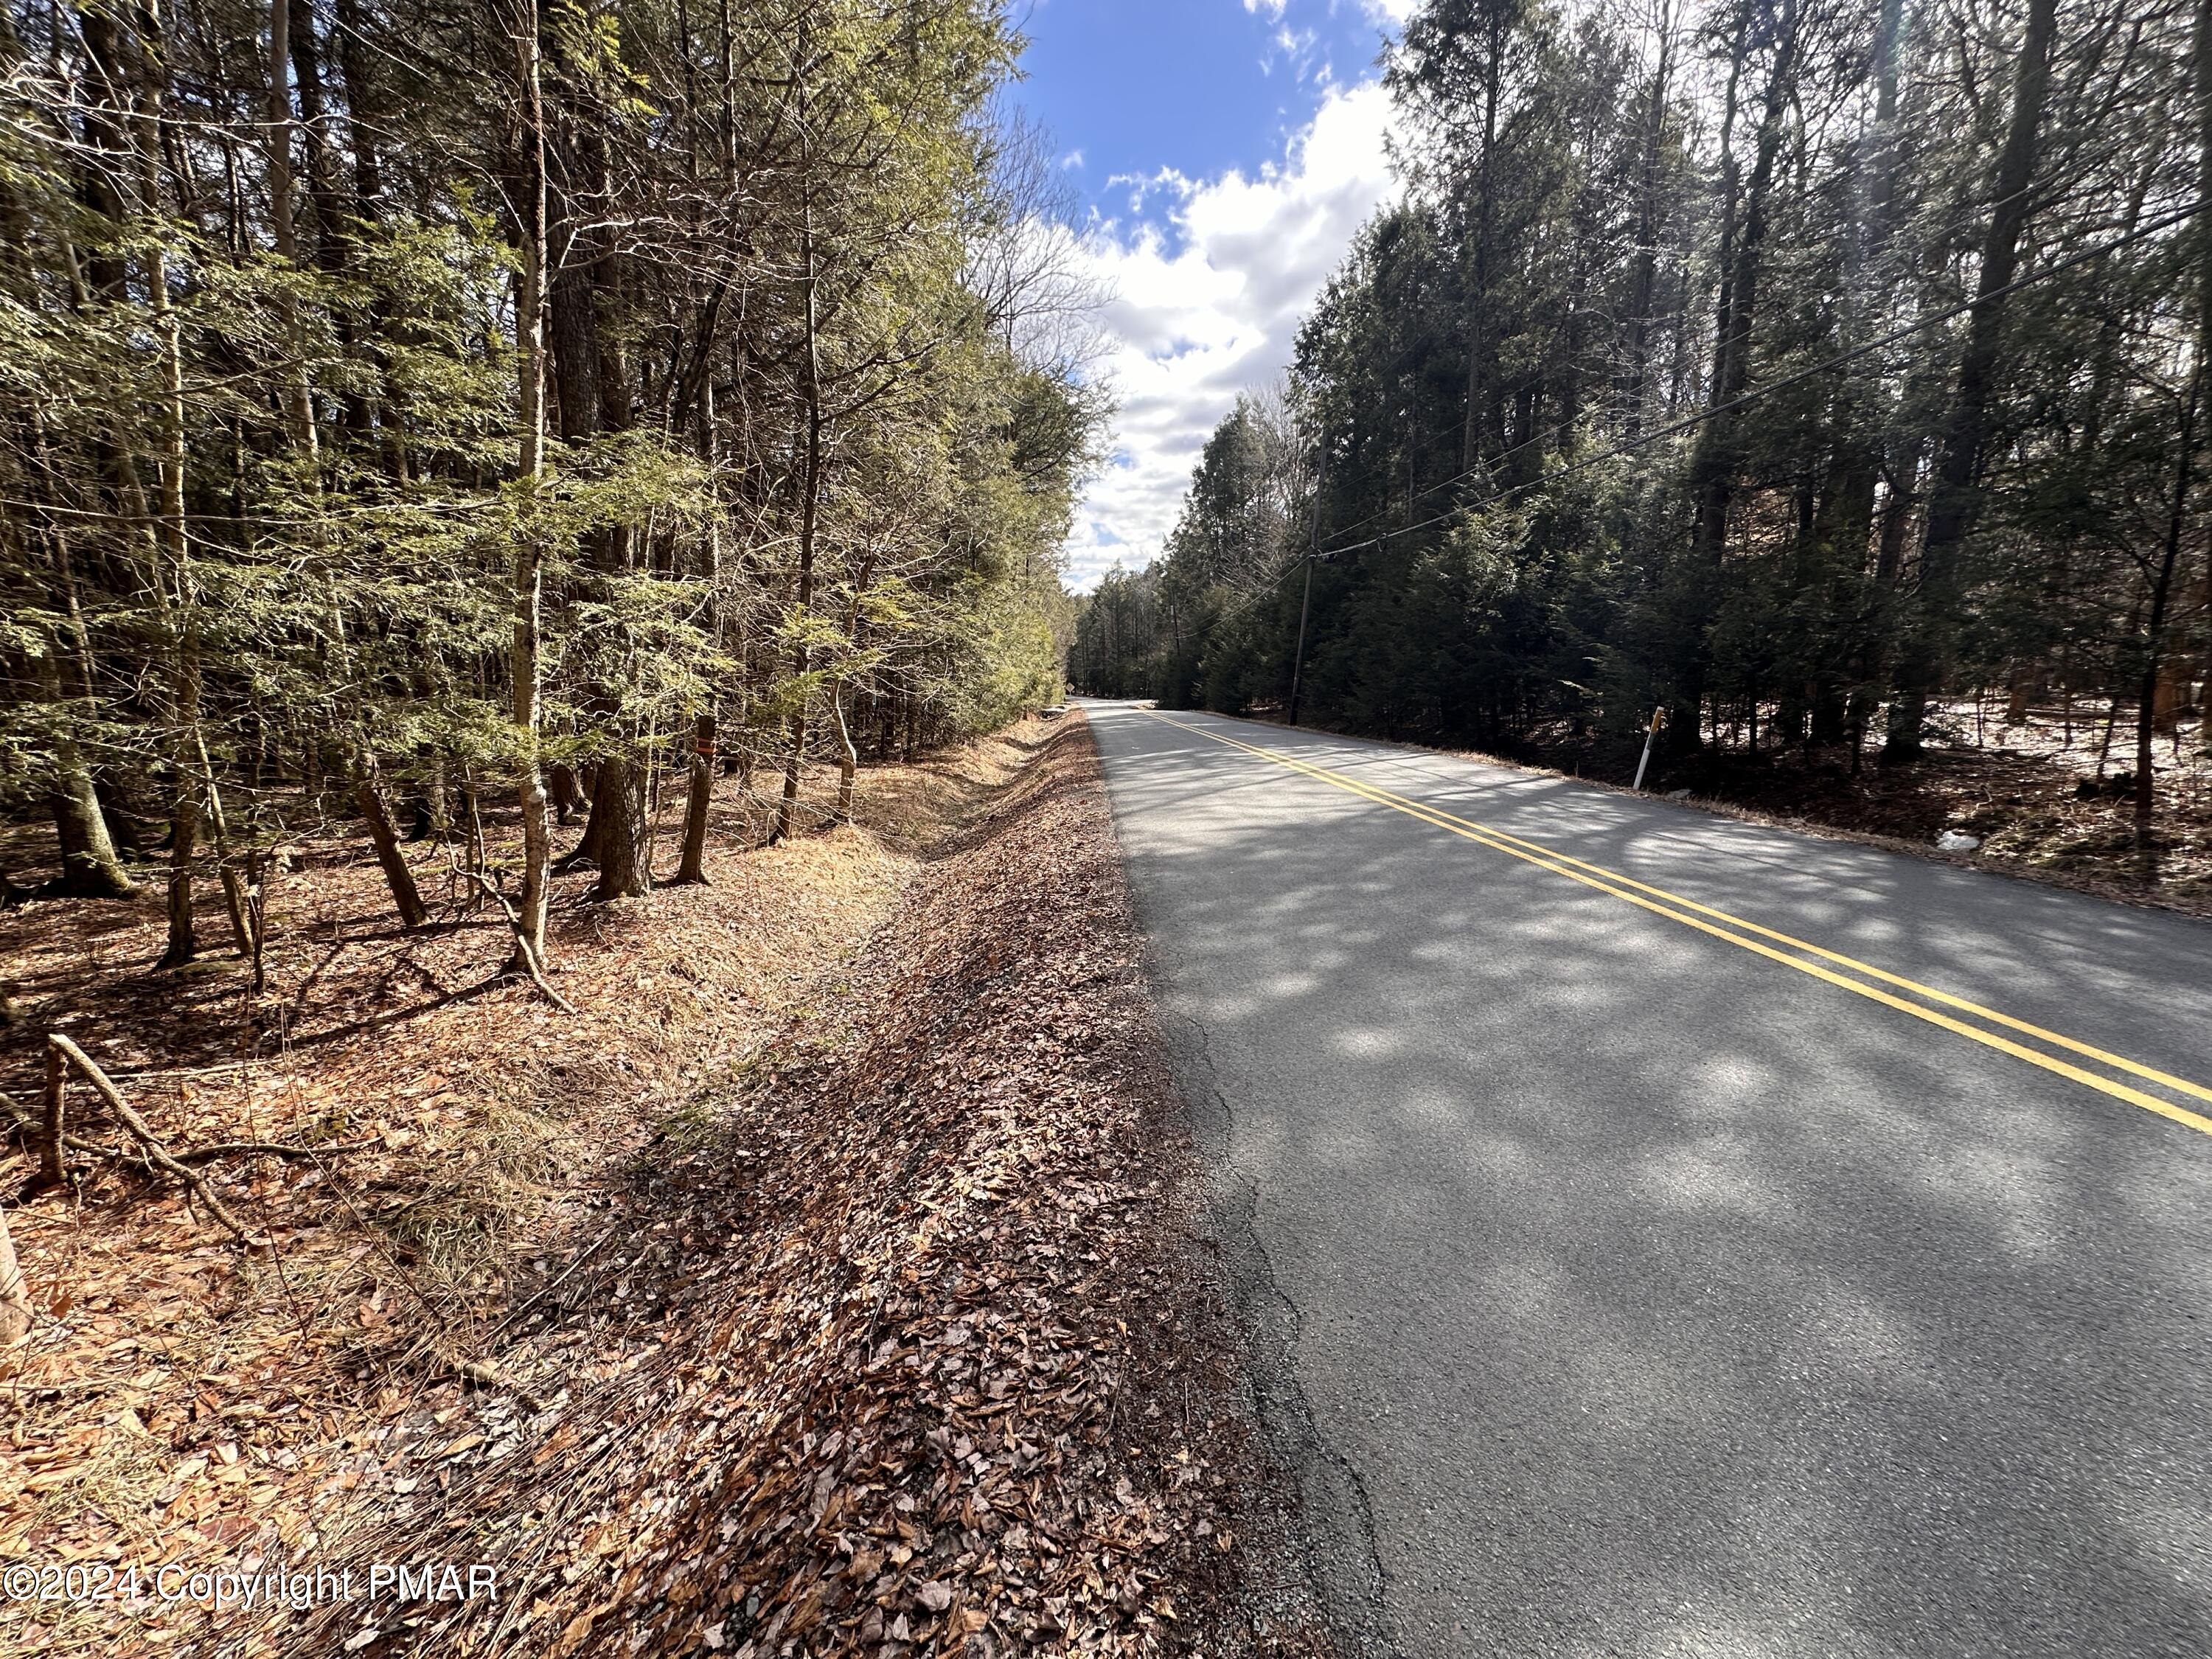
[{"x": 1305, "y": 599}]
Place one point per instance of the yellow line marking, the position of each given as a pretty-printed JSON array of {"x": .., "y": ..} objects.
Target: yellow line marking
[
  {"x": 1603, "y": 880},
  {"x": 2118, "y": 1061}
]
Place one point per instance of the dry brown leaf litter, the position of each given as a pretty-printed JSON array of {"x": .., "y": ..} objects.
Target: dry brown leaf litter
[
  {"x": 897, "y": 1349},
  {"x": 179, "y": 1401},
  {"x": 915, "y": 1360}
]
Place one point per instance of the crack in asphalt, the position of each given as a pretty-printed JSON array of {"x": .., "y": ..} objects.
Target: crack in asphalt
[{"x": 1338, "y": 1540}]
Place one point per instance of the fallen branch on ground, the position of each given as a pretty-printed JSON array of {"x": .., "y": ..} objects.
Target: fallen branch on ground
[
  {"x": 33, "y": 1132},
  {"x": 50, "y": 1158},
  {"x": 490, "y": 1377},
  {"x": 59, "y": 1046},
  {"x": 564, "y": 1276},
  {"x": 522, "y": 949}
]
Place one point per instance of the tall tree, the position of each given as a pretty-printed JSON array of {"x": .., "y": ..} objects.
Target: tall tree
[{"x": 1955, "y": 494}]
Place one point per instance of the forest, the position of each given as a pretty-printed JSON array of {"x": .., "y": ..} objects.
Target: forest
[
  {"x": 1828, "y": 377},
  {"x": 414, "y": 417}
]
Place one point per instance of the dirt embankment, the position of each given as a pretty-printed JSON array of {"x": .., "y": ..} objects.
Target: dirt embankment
[{"x": 904, "y": 1343}]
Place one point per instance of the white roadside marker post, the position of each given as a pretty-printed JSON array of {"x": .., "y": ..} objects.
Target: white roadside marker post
[{"x": 1658, "y": 720}]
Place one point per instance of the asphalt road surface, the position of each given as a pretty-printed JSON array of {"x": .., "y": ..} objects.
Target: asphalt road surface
[{"x": 1643, "y": 1283}]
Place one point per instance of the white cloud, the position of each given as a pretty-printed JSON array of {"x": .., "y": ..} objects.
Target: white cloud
[
  {"x": 1203, "y": 314},
  {"x": 1297, "y": 48}
]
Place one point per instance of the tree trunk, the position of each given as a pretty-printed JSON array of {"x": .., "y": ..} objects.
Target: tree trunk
[
  {"x": 811, "y": 488},
  {"x": 848, "y": 759},
  {"x": 2161, "y": 591},
  {"x": 567, "y": 793},
  {"x": 299, "y": 404},
  {"x": 1644, "y": 270},
  {"x": 697, "y": 802},
  {"x": 104, "y": 145},
  {"x": 593, "y": 397},
  {"x": 529, "y": 568},
  {"x": 90, "y": 868},
  {"x": 2173, "y": 693},
  {"x": 183, "y": 841},
  {"x": 432, "y": 803},
  {"x": 1952, "y": 499},
  {"x": 178, "y": 625},
  {"x": 16, "y": 1313},
  {"x": 1715, "y": 466},
  {"x": 2160, "y": 697},
  {"x": 1478, "y": 326},
  {"x": 242, "y": 921},
  {"x": 621, "y": 830},
  {"x": 384, "y": 835}
]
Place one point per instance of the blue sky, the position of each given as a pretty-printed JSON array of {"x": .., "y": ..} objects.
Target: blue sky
[
  {"x": 1130, "y": 88},
  {"x": 1223, "y": 154}
]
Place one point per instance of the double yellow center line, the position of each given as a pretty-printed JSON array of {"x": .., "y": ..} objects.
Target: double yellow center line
[{"x": 1847, "y": 972}]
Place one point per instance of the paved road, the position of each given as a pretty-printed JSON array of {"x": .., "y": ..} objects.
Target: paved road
[{"x": 1638, "y": 1293}]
